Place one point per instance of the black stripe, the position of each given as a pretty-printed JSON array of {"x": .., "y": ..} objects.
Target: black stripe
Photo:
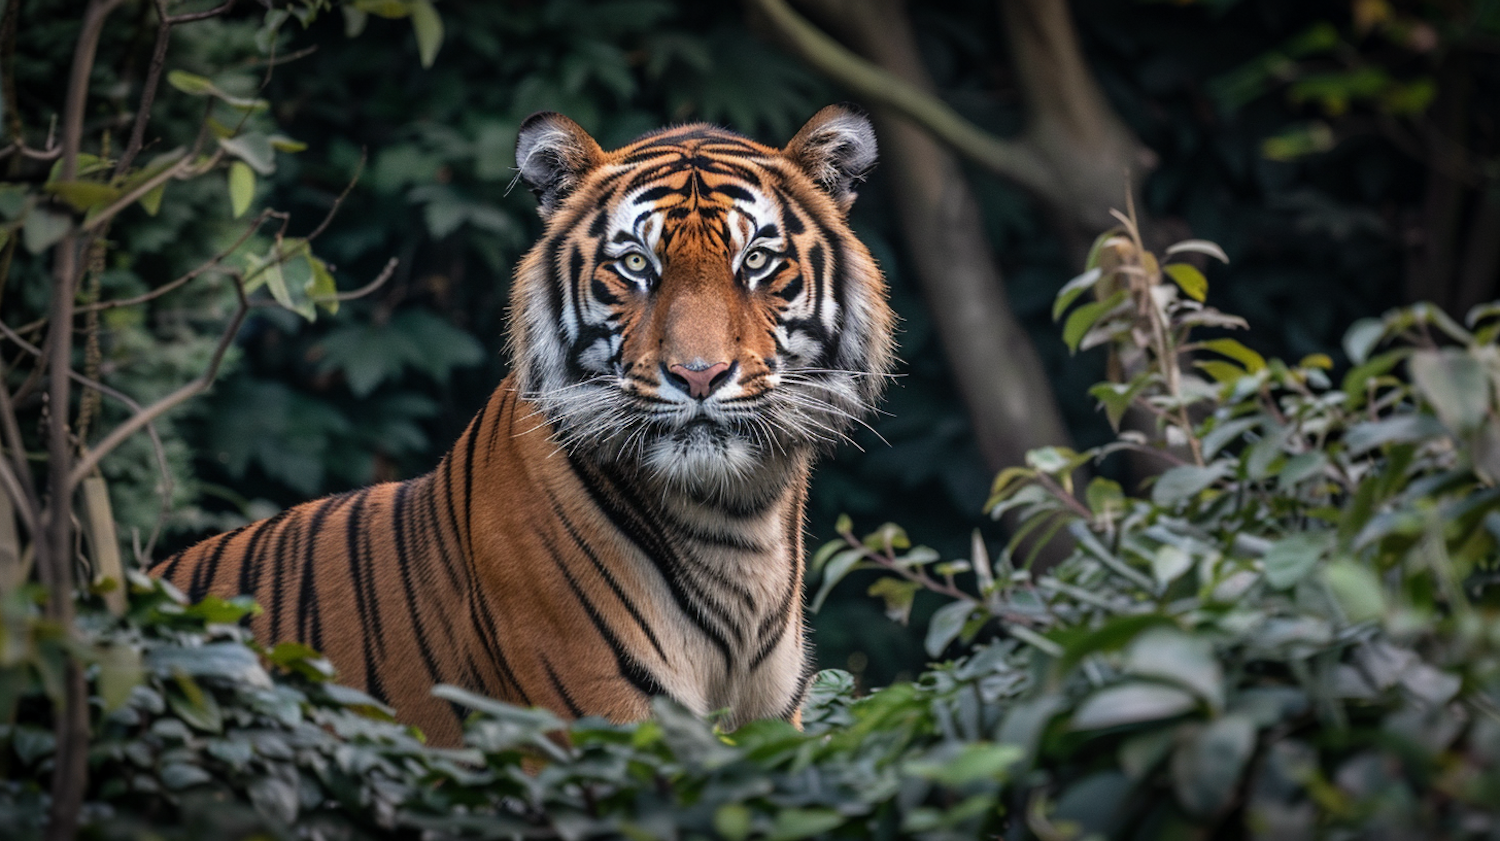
[
  {"x": 434, "y": 535},
  {"x": 562, "y": 691},
  {"x": 473, "y": 433},
  {"x": 399, "y": 512},
  {"x": 203, "y": 576},
  {"x": 608, "y": 577},
  {"x": 631, "y": 669},
  {"x": 279, "y": 574},
  {"x": 365, "y": 600},
  {"x": 638, "y": 530},
  {"x": 309, "y": 618},
  {"x": 249, "y": 563}
]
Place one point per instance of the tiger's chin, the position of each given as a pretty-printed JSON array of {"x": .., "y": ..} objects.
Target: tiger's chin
[{"x": 703, "y": 457}]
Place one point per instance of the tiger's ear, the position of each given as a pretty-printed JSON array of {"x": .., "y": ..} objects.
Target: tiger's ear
[
  {"x": 553, "y": 153},
  {"x": 837, "y": 148}
]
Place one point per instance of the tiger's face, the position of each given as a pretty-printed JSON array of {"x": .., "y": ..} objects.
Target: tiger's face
[{"x": 698, "y": 305}]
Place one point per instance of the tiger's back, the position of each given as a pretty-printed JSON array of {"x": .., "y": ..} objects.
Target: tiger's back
[{"x": 623, "y": 519}]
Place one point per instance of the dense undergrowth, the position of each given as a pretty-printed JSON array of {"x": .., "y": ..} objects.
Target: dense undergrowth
[{"x": 1292, "y": 633}]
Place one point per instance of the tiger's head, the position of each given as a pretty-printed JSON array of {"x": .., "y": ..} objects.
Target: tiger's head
[{"x": 698, "y": 304}]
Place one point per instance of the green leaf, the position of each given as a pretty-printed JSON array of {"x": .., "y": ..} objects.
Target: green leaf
[
  {"x": 254, "y": 148},
  {"x": 1186, "y": 481},
  {"x": 1253, "y": 362},
  {"x": 1106, "y": 499},
  {"x": 190, "y": 84},
  {"x": 241, "y": 188},
  {"x": 1207, "y": 768},
  {"x": 966, "y": 764},
  {"x": 428, "y": 27},
  {"x": 120, "y": 671},
  {"x": 1117, "y": 397},
  {"x": 1356, "y": 589},
  {"x": 1072, "y": 289},
  {"x": 1399, "y": 429},
  {"x": 1132, "y": 703},
  {"x": 83, "y": 196},
  {"x": 223, "y": 611},
  {"x": 792, "y": 824},
  {"x": 1290, "y": 559},
  {"x": 1455, "y": 383},
  {"x": 1172, "y": 655},
  {"x": 1361, "y": 338},
  {"x": 151, "y": 201},
  {"x": 840, "y": 565},
  {"x": 1189, "y": 279},
  {"x": 898, "y": 594},
  {"x": 732, "y": 821},
  {"x": 1083, "y": 318},
  {"x": 946, "y": 624},
  {"x": 1168, "y": 563},
  {"x": 322, "y": 288},
  {"x": 43, "y": 229}
]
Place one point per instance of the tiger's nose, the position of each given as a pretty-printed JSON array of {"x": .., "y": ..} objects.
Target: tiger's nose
[{"x": 699, "y": 380}]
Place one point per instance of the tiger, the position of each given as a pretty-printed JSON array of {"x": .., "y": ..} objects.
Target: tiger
[{"x": 624, "y": 517}]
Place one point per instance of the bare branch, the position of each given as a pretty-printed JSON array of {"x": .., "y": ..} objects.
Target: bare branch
[
  {"x": 106, "y": 390},
  {"x": 91, "y": 459},
  {"x": 189, "y": 17},
  {"x": 379, "y": 281}
]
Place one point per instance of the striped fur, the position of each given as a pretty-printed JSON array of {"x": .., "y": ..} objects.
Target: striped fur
[{"x": 624, "y": 517}]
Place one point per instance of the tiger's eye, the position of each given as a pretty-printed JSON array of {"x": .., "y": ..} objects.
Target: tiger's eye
[
  {"x": 636, "y": 261},
  {"x": 757, "y": 259}
]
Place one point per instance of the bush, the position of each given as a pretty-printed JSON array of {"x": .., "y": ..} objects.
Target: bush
[{"x": 1294, "y": 634}]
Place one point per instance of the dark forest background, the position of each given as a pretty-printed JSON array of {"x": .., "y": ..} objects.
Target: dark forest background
[{"x": 1343, "y": 152}]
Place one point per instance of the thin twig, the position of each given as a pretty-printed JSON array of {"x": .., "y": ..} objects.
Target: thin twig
[
  {"x": 106, "y": 390},
  {"x": 189, "y": 17},
  {"x": 90, "y": 460}
]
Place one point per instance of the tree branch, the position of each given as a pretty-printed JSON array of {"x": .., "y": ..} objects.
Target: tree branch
[
  {"x": 117, "y": 436},
  {"x": 1015, "y": 160}
]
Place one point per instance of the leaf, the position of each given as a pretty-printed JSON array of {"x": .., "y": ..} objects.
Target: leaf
[
  {"x": 1168, "y": 563},
  {"x": 1199, "y": 246},
  {"x": 1356, "y": 589},
  {"x": 1207, "y": 768},
  {"x": 1173, "y": 655},
  {"x": 120, "y": 671},
  {"x": 792, "y": 824},
  {"x": 1361, "y": 338},
  {"x": 428, "y": 27},
  {"x": 1106, "y": 499},
  {"x": 1253, "y": 362},
  {"x": 151, "y": 201},
  {"x": 83, "y": 196},
  {"x": 732, "y": 821},
  {"x": 1290, "y": 559},
  {"x": 1189, "y": 279},
  {"x": 946, "y": 624},
  {"x": 322, "y": 288},
  {"x": 241, "y": 188},
  {"x": 1072, "y": 289},
  {"x": 180, "y": 775},
  {"x": 898, "y": 595},
  {"x": 254, "y": 148},
  {"x": 1131, "y": 703},
  {"x": 1402, "y": 428},
  {"x": 188, "y": 83},
  {"x": 1185, "y": 481},
  {"x": 1084, "y": 317},
  {"x": 968, "y": 763},
  {"x": 43, "y": 229},
  {"x": 839, "y": 566},
  {"x": 1455, "y": 383}
]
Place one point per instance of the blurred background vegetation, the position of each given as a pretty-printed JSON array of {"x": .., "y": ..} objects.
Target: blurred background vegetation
[{"x": 1345, "y": 153}]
